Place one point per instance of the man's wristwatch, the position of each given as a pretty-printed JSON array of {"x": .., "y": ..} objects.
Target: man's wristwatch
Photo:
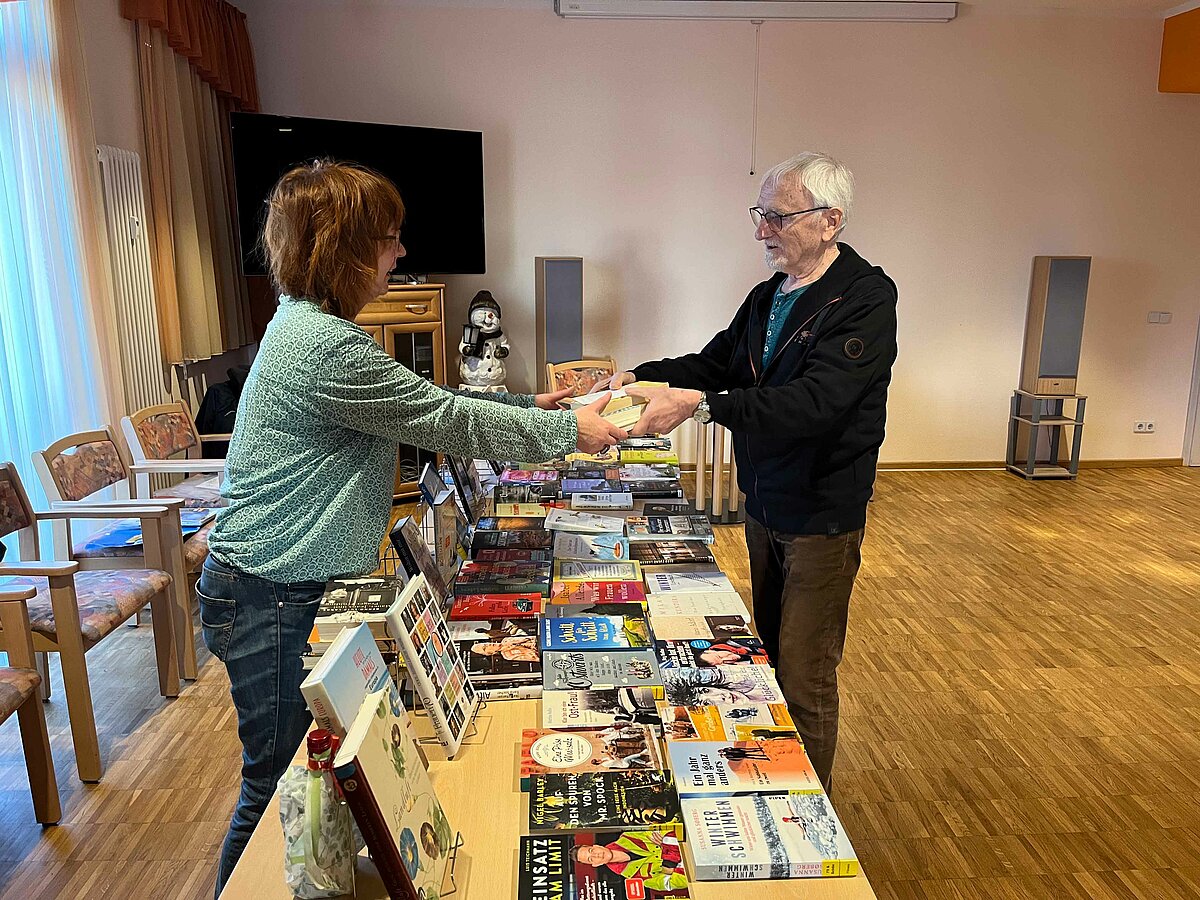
[{"x": 702, "y": 413}]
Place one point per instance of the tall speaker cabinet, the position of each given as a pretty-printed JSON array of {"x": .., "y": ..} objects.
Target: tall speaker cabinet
[{"x": 407, "y": 323}]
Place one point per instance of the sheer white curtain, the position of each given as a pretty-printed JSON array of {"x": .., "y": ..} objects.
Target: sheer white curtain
[{"x": 51, "y": 382}]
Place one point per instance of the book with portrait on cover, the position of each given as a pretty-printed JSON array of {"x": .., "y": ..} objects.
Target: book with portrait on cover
[
  {"x": 700, "y": 653},
  {"x": 602, "y": 865},
  {"x": 727, "y": 722}
]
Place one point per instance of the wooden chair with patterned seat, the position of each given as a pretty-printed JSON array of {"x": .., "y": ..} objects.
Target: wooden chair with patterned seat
[
  {"x": 581, "y": 375},
  {"x": 80, "y": 466},
  {"x": 72, "y": 610},
  {"x": 163, "y": 440},
  {"x": 19, "y": 694}
]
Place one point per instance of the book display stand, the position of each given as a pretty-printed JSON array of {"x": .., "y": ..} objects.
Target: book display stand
[{"x": 450, "y": 866}]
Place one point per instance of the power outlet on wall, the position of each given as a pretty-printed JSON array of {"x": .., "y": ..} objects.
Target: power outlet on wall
[{"x": 1143, "y": 427}]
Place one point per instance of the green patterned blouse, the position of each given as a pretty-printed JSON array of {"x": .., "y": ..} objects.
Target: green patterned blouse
[{"x": 312, "y": 461}]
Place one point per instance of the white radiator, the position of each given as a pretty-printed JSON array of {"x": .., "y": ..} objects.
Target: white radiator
[{"x": 129, "y": 246}]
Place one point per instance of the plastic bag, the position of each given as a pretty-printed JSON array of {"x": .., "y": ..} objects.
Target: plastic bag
[{"x": 320, "y": 843}]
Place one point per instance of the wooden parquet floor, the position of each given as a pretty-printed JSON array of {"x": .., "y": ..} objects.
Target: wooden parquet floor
[{"x": 1020, "y": 710}]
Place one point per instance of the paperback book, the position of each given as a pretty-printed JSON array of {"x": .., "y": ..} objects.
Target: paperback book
[
  {"x": 575, "y": 670},
  {"x": 679, "y": 528},
  {"x": 496, "y": 606},
  {"x": 510, "y": 523},
  {"x": 618, "y": 748},
  {"x": 653, "y": 488},
  {"x": 642, "y": 472},
  {"x": 499, "y": 650},
  {"x": 383, "y": 779},
  {"x": 584, "y": 570},
  {"x": 590, "y": 486},
  {"x": 515, "y": 554},
  {"x": 583, "y": 522},
  {"x": 645, "y": 442},
  {"x": 594, "y": 547},
  {"x": 732, "y": 722},
  {"x": 596, "y": 592},
  {"x": 714, "y": 603},
  {"x": 511, "y": 540},
  {"x": 503, "y": 578},
  {"x": 667, "y": 553},
  {"x": 604, "y": 865},
  {"x": 616, "y": 500},
  {"x": 616, "y": 608},
  {"x": 709, "y": 628},
  {"x": 349, "y": 601},
  {"x": 415, "y": 558},
  {"x": 601, "y": 708},
  {"x": 525, "y": 475},
  {"x": 594, "y": 633},
  {"x": 561, "y": 801},
  {"x": 722, "y": 685},
  {"x": 698, "y": 654},
  {"x": 435, "y": 666},
  {"x": 668, "y": 508},
  {"x": 728, "y": 768},
  {"x": 346, "y": 673},
  {"x": 780, "y": 836},
  {"x": 449, "y": 531},
  {"x": 522, "y": 510},
  {"x": 658, "y": 582},
  {"x": 667, "y": 457}
]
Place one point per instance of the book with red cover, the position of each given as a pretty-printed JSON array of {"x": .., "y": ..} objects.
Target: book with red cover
[{"x": 496, "y": 606}]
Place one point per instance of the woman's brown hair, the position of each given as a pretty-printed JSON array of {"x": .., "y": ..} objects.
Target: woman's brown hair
[{"x": 325, "y": 220}]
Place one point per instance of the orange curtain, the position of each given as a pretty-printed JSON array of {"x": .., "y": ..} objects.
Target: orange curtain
[{"x": 212, "y": 36}]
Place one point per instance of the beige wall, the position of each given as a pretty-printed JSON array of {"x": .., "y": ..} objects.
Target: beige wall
[
  {"x": 977, "y": 145},
  {"x": 110, "y": 52}
]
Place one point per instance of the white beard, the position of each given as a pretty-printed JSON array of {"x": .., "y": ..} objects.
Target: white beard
[{"x": 774, "y": 260}]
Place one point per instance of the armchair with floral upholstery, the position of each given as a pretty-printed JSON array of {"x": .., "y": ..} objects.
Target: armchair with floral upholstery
[
  {"x": 72, "y": 610},
  {"x": 77, "y": 468},
  {"x": 163, "y": 440},
  {"x": 581, "y": 375},
  {"x": 19, "y": 694}
]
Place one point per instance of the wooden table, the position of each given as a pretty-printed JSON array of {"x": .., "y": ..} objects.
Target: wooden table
[{"x": 481, "y": 794}]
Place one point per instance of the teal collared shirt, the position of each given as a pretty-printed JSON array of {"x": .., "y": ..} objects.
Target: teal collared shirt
[
  {"x": 781, "y": 308},
  {"x": 312, "y": 461}
]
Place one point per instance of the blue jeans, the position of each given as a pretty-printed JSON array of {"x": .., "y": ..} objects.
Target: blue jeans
[{"x": 258, "y": 629}]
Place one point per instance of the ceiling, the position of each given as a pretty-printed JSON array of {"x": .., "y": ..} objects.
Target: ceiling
[{"x": 1138, "y": 8}]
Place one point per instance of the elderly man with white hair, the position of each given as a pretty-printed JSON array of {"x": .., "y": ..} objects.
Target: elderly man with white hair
[{"x": 800, "y": 377}]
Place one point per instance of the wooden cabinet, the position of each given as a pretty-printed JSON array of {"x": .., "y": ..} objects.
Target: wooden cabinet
[{"x": 407, "y": 323}]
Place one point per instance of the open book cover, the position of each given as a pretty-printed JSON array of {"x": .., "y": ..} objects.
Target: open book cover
[
  {"x": 787, "y": 836},
  {"x": 388, "y": 790},
  {"x": 434, "y": 664}
]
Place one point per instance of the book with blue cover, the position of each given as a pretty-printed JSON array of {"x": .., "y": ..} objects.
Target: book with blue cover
[{"x": 594, "y": 633}]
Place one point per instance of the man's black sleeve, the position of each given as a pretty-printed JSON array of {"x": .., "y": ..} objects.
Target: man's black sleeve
[
  {"x": 707, "y": 370},
  {"x": 856, "y": 349}
]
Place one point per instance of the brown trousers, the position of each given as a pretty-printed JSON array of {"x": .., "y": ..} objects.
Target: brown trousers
[{"x": 802, "y": 585}]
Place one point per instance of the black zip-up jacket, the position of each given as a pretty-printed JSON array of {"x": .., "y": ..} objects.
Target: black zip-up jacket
[{"x": 807, "y": 428}]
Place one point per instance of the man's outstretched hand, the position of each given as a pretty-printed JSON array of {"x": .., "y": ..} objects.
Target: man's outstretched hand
[{"x": 667, "y": 410}]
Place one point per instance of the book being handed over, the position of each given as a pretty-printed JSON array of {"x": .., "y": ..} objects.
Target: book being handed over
[{"x": 621, "y": 410}]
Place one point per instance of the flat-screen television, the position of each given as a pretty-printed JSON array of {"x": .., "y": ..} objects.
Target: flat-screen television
[{"x": 439, "y": 172}]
